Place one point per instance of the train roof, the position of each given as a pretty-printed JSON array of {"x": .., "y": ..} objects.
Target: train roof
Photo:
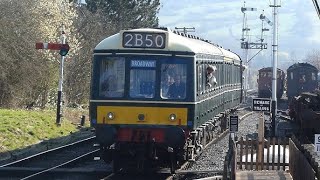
[
  {"x": 302, "y": 65},
  {"x": 269, "y": 69},
  {"x": 175, "y": 41}
]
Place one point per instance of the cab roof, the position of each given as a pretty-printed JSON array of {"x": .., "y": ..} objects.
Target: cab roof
[{"x": 175, "y": 41}]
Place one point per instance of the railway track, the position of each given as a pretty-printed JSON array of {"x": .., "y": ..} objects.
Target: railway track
[{"x": 57, "y": 162}]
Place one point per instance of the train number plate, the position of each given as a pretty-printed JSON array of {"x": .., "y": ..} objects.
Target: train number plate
[
  {"x": 140, "y": 136},
  {"x": 143, "y": 40}
]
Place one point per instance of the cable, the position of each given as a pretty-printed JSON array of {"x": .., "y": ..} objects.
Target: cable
[{"x": 316, "y": 6}]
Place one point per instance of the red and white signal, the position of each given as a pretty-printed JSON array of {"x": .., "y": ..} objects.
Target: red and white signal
[
  {"x": 64, "y": 48},
  {"x": 52, "y": 46}
]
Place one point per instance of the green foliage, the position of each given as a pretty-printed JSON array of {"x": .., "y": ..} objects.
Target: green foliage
[{"x": 21, "y": 128}]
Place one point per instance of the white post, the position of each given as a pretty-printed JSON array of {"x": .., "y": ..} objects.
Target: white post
[
  {"x": 275, "y": 62},
  {"x": 59, "y": 102}
]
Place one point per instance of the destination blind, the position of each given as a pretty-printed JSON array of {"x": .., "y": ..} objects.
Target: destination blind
[{"x": 144, "y": 40}]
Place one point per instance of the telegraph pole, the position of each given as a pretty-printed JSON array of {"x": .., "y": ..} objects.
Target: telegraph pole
[
  {"x": 185, "y": 29},
  {"x": 275, "y": 62}
]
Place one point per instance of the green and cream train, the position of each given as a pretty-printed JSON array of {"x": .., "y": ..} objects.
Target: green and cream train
[{"x": 158, "y": 96}]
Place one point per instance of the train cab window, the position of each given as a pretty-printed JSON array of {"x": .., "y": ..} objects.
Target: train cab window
[
  {"x": 291, "y": 75},
  {"x": 112, "y": 73},
  {"x": 313, "y": 76},
  {"x": 262, "y": 74},
  {"x": 270, "y": 74},
  {"x": 142, "y": 78},
  {"x": 173, "y": 81},
  {"x": 302, "y": 78}
]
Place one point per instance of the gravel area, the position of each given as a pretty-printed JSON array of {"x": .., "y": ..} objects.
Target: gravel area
[{"x": 212, "y": 159}]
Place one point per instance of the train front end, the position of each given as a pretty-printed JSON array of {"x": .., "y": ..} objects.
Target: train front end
[{"x": 138, "y": 121}]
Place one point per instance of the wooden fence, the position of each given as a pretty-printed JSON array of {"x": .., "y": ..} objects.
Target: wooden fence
[{"x": 272, "y": 154}]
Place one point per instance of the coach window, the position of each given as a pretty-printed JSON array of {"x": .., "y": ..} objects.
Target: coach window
[
  {"x": 211, "y": 80},
  {"x": 112, "y": 73},
  {"x": 173, "y": 77},
  {"x": 142, "y": 78},
  {"x": 199, "y": 79}
]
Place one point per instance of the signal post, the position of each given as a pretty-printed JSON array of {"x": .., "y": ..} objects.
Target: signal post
[{"x": 64, "y": 49}]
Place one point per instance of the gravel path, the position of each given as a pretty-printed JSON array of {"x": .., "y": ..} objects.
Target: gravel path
[{"x": 212, "y": 158}]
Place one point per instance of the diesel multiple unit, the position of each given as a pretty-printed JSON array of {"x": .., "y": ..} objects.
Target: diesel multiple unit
[{"x": 156, "y": 95}]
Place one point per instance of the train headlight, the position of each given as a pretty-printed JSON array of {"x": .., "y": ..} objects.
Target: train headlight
[
  {"x": 110, "y": 115},
  {"x": 172, "y": 117}
]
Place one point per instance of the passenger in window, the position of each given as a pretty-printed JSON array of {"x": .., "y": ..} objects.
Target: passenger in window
[
  {"x": 165, "y": 83},
  {"x": 211, "y": 79},
  {"x": 177, "y": 89}
]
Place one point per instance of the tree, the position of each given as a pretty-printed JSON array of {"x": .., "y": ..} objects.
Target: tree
[
  {"x": 98, "y": 20},
  {"x": 128, "y": 13},
  {"x": 313, "y": 58},
  {"x": 27, "y": 75}
]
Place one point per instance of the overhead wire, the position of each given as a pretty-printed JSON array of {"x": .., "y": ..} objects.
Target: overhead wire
[{"x": 316, "y": 6}]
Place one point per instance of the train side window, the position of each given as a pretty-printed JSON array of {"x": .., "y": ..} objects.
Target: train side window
[
  {"x": 291, "y": 75},
  {"x": 211, "y": 80},
  {"x": 199, "y": 79},
  {"x": 112, "y": 74}
]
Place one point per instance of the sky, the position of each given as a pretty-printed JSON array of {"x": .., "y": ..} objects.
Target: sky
[{"x": 221, "y": 22}]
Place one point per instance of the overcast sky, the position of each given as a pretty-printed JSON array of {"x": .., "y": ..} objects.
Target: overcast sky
[{"x": 221, "y": 22}]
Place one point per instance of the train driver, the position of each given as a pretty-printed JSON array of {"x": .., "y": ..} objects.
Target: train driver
[{"x": 177, "y": 90}]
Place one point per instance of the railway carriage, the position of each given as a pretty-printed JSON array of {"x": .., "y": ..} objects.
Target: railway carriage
[
  {"x": 301, "y": 77},
  {"x": 137, "y": 123},
  {"x": 265, "y": 82}
]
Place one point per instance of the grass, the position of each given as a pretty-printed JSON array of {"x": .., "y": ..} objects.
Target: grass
[{"x": 21, "y": 128}]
